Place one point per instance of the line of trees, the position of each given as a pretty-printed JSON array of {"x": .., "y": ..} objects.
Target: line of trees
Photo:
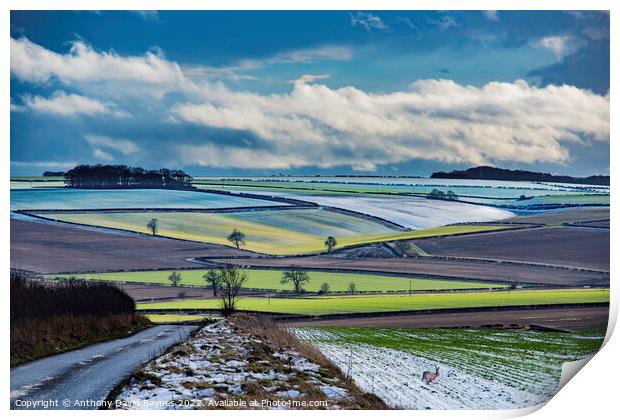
[
  {"x": 440, "y": 195},
  {"x": 121, "y": 176},
  {"x": 489, "y": 172}
]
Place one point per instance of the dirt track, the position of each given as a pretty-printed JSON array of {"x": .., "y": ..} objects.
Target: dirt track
[
  {"x": 47, "y": 247},
  {"x": 563, "y": 319}
]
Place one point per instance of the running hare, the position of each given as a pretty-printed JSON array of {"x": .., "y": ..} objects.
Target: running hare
[{"x": 429, "y": 376}]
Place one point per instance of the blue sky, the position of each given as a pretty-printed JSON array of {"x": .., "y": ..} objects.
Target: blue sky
[{"x": 229, "y": 93}]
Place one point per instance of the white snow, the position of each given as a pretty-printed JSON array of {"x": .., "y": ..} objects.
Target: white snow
[
  {"x": 395, "y": 377},
  {"x": 213, "y": 366},
  {"x": 410, "y": 212}
]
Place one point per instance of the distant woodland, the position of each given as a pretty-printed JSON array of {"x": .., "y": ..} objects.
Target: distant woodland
[
  {"x": 121, "y": 176},
  {"x": 489, "y": 172}
]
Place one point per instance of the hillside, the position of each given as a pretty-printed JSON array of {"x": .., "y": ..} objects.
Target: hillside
[{"x": 492, "y": 173}]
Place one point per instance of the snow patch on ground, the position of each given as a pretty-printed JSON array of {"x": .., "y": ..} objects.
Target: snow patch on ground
[
  {"x": 395, "y": 377},
  {"x": 221, "y": 363}
]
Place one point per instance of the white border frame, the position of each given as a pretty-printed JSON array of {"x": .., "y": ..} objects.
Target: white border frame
[{"x": 590, "y": 394}]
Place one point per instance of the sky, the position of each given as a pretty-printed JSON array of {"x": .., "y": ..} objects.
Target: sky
[{"x": 336, "y": 92}]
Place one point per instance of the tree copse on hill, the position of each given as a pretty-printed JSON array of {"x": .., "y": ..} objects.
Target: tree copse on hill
[
  {"x": 489, "y": 172},
  {"x": 297, "y": 277},
  {"x": 121, "y": 176},
  {"x": 436, "y": 194}
]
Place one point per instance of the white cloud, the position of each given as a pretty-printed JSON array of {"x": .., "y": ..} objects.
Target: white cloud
[
  {"x": 325, "y": 52},
  {"x": 148, "y": 15},
  {"x": 126, "y": 147},
  {"x": 560, "y": 45},
  {"x": 446, "y": 22},
  {"x": 61, "y": 103},
  {"x": 149, "y": 74},
  {"x": 435, "y": 119},
  {"x": 319, "y": 126},
  {"x": 34, "y": 63},
  {"x": 17, "y": 108},
  {"x": 491, "y": 15},
  {"x": 100, "y": 154},
  {"x": 309, "y": 78},
  {"x": 368, "y": 21}
]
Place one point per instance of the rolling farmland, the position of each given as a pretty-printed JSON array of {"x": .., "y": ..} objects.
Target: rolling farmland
[
  {"x": 380, "y": 303},
  {"x": 283, "y": 232},
  {"x": 270, "y": 280},
  {"x": 480, "y": 367}
]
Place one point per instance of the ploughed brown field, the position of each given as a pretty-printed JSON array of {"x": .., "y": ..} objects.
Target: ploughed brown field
[
  {"x": 148, "y": 293},
  {"x": 569, "y": 215},
  {"x": 595, "y": 224},
  {"x": 46, "y": 247},
  {"x": 525, "y": 274},
  {"x": 566, "y": 246},
  {"x": 572, "y": 319}
]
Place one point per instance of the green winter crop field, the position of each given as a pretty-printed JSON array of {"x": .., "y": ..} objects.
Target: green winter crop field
[
  {"x": 379, "y": 303},
  {"x": 270, "y": 279}
]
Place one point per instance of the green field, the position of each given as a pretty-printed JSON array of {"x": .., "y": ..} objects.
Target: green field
[
  {"x": 270, "y": 279},
  {"x": 379, "y": 303},
  {"x": 282, "y": 232},
  {"x": 21, "y": 185},
  {"x": 173, "y": 318}
]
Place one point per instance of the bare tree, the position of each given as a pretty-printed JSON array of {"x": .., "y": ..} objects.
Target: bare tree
[
  {"x": 152, "y": 225},
  {"x": 330, "y": 243},
  {"x": 297, "y": 277},
  {"x": 175, "y": 278},
  {"x": 230, "y": 282},
  {"x": 237, "y": 237},
  {"x": 212, "y": 279}
]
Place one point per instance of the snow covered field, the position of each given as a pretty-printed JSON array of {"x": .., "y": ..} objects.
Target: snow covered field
[
  {"x": 479, "y": 369},
  {"x": 411, "y": 212}
]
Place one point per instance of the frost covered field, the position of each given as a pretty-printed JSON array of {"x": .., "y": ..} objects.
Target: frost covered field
[
  {"x": 77, "y": 198},
  {"x": 479, "y": 368},
  {"x": 410, "y": 212}
]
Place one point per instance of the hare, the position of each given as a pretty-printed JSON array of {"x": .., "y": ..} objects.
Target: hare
[{"x": 429, "y": 376}]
